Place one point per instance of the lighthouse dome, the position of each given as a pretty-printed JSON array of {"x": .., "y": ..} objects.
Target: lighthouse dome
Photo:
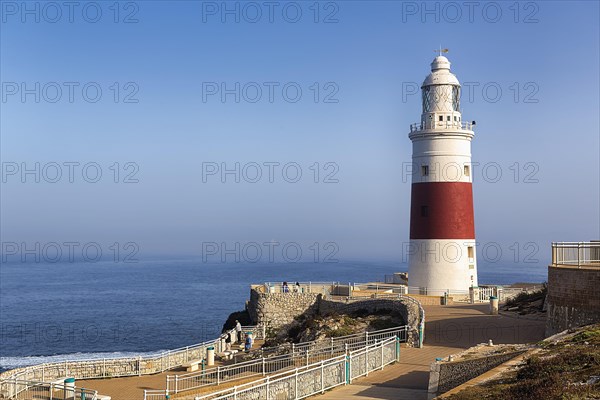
[
  {"x": 440, "y": 73},
  {"x": 440, "y": 62}
]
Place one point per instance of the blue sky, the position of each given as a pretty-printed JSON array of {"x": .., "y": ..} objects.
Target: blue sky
[{"x": 545, "y": 124}]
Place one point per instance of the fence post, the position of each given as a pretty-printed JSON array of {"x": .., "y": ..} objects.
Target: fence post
[
  {"x": 397, "y": 348},
  {"x": 366, "y": 338},
  {"x": 263, "y": 366},
  {"x": 268, "y": 383},
  {"x": 140, "y": 366},
  {"x": 347, "y": 359},
  {"x": 307, "y": 357},
  {"x": 331, "y": 347},
  {"x": 366, "y": 361},
  {"x": 296, "y": 384},
  {"x": 579, "y": 249},
  {"x": 176, "y": 383},
  {"x": 322, "y": 377},
  {"x": 218, "y": 375},
  {"x": 382, "y": 344}
]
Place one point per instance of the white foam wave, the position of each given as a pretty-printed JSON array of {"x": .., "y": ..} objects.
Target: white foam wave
[{"x": 7, "y": 363}]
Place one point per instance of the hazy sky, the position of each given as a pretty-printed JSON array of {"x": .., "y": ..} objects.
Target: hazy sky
[{"x": 187, "y": 91}]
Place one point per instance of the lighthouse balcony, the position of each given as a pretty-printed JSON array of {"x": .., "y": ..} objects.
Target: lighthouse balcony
[{"x": 419, "y": 126}]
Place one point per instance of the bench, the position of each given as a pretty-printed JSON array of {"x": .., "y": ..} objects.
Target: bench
[{"x": 192, "y": 366}]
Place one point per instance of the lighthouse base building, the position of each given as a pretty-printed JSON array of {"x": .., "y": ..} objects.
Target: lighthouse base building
[{"x": 442, "y": 230}]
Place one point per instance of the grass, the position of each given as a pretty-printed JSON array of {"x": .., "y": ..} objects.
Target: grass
[{"x": 567, "y": 370}]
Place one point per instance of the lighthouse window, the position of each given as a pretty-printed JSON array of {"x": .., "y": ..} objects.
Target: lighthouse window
[
  {"x": 425, "y": 170},
  {"x": 455, "y": 118},
  {"x": 448, "y": 118},
  {"x": 456, "y": 98},
  {"x": 441, "y": 118},
  {"x": 424, "y": 211},
  {"x": 467, "y": 171},
  {"x": 470, "y": 251}
]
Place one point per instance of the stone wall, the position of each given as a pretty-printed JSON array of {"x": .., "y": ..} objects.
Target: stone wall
[
  {"x": 279, "y": 309},
  {"x": 573, "y": 298},
  {"x": 444, "y": 376},
  {"x": 407, "y": 309}
]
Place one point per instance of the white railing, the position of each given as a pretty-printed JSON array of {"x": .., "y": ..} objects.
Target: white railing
[
  {"x": 298, "y": 354},
  {"x": 317, "y": 377},
  {"x": 576, "y": 253},
  {"x": 151, "y": 394},
  {"x": 298, "y": 287},
  {"x": 119, "y": 367},
  {"x": 418, "y": 126},
  {"x": 16, "y": 389}
]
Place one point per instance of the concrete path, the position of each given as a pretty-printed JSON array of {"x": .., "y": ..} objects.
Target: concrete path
[{"x": 448, "y": 330}]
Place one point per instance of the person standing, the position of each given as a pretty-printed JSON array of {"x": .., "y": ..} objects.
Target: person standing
[{"x": 238, "y": 330}]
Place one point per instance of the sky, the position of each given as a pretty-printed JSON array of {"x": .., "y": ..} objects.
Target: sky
[{"x": 127, "y": 114}]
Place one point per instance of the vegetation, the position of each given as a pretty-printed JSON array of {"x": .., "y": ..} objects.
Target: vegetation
[
  {"x": 528, "y": 297},
  {"x": 568, "y": 369}
]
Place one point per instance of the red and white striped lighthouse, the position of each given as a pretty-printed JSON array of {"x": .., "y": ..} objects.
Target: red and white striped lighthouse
[{"x": 442, "y": 232}]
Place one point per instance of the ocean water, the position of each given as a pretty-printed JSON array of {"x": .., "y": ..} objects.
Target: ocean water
[{"x": 51, "y": 312}]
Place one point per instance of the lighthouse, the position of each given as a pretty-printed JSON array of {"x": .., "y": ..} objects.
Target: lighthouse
[{"x": 441, "y": 253}]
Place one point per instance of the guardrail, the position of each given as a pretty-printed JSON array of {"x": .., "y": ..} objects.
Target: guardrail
[
  {"x": 16, "y": 389},
  {"x": 419, "y": 126},
  {"x": 297, "y": 287},
  {"x": 119, "y": 367},
  {"x": 299, "y": 354},
  {"x": 317, "y": 377},
  {"x": 576, "y": 254}
]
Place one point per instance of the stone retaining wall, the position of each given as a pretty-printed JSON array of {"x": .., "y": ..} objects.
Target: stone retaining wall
[
  {"x": 573, "y": 298},
  {"x": 277, "y": 310},
  {"x": 444, "y": 376},
  {"x": 407, "y": 309}
]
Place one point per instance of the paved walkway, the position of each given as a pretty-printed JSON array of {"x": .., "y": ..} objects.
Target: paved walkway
[
  {"x": 132, "y": 388},
  {"x": 448, "y": 330}
]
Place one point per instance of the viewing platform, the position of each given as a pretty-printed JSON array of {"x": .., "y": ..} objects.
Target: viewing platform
[{"x": 576, "y": 254}]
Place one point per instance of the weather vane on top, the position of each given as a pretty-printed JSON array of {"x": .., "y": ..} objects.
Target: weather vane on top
[{"x": 440, "y": 51}]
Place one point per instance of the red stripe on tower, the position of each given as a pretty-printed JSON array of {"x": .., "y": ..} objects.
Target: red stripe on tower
[{"x": 442, "y": 210}]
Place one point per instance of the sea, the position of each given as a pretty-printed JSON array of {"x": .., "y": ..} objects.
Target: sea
[{"x": 81, "y": 310}]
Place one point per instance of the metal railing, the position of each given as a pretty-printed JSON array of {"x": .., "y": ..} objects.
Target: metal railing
[
  {"x": 576, "y": 254},
  {"x": 419, "y": 126},
  {"x": 16, "y": 389},
  {"x": 317, "y": 377},
  {"x": 298, "y": 354},
  {"x": 301, "y": 287},
  {"x": 119, "y": 367}
]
